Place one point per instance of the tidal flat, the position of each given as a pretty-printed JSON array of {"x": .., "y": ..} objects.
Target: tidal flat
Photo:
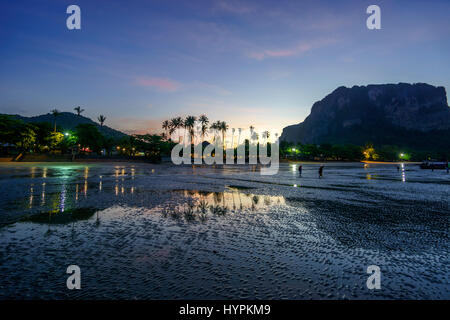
[{"x": 141, "y": 231}]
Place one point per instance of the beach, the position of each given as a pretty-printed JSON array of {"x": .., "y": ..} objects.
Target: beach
[{"x": 146, "y": 231}]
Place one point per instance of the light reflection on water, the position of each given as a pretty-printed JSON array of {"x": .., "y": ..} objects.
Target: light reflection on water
[
  {"x": 403, "y": 172},
  {"x": 235, "y": 199},
  {"x": 66, "y": 197},
  {"x": 122, "y": 176},
  {"x": 306, "y": 238}
]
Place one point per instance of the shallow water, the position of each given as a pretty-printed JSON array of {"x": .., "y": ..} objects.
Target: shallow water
[{"x": 166, "y": 232}]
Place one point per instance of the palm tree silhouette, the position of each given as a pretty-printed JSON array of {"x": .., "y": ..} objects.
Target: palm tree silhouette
[
  {"x": 251, "y": 132},
  {"x": 175, "y": 124},
  {"x": 55, "y": 113},
  {"x": 215, "y": 128},
  {"x": 172, "y": 128},
  {"x": 232, "y": 137},
  {"x": 101, "y": 118},
  {"x": 204, "y": 125},
  {"x": 223, "y": 128},
  {"x": 78, "y": 110},
  {"x": 166, "y": 127},
  {"x": 189, "y": 124},
  {"x": 239, "y": 138}
]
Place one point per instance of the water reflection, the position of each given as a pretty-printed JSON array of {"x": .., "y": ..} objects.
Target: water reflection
[
  {"x": 65, "y": 189},
  {"x": 192, "y": 205},
  {"x": 403, "y": 172},
  {"x": 30, "y": 205},
  {"x": 229, "y": 200},
  {"x": 43, "y": 194},
  {"x": 62, "y": 202},
  {"x": 401, "y": 168},
  {"x": 68, "y": 216}
]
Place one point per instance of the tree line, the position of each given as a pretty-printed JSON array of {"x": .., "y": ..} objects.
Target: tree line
[
  {"x": 198, "y": 128},
  {"x": 17, "y": 136},
  {"x": 349, "y": 152}
]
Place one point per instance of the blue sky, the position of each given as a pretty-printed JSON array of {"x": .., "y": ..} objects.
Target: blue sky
[{"x": 261, "y": 63}]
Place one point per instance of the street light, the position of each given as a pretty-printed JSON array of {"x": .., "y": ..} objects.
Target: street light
[{"x": 66, "y": 134}]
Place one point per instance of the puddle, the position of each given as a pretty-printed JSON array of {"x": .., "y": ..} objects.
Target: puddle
[{"x": 64, "y": 217}]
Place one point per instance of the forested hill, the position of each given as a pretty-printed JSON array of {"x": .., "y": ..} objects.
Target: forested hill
[{"x": 69, "y": 121}]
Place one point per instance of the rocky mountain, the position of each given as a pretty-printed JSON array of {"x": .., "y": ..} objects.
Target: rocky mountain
[
  {"x": 412, "y": 115},
  {"x": 69, "y": 121}
]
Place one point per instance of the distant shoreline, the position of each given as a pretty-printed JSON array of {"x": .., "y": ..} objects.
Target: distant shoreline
[
  {"x": 340, "y": 161},
  {"x": 143, "y": 161}
]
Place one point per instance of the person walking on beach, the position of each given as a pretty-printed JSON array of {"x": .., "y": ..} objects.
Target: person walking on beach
[
  {"x": 300, "y": 170},
  {"x": 320, "y": 171}
]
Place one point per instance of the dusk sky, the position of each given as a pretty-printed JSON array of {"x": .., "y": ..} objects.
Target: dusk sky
[{"x": 261, "y": 63}]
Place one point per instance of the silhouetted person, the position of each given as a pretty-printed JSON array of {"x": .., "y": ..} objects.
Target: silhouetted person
[
  {"x": 300, "y": 170},
  {"x": 320, "y": 171},
  {"x": 398, "y": 168}
]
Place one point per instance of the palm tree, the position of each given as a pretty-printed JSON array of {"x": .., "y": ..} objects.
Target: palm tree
[
  {"x": 172, "y": 128},
  {"x": 215, "y": 127},
  {"x": 55, "y": 113},
  {"x": 189, "y": 124},
  {"x": 175, "y": 124},
  {"x": 232, "y": 137},
  {"x": 251, "y": 132},
  {"x": 166, "y": 127},
  {"x": 101, "y": 118},
  {"x": 78, "y": 110},
  {"x": 239, "y": 138},
  {"x": 223, "y": 127},
  {"x": 204, "y": 122},
  {"x": 266, "y": 135}
]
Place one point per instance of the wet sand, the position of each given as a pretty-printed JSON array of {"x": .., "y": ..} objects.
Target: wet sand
[{"x": 166, "y": 232}]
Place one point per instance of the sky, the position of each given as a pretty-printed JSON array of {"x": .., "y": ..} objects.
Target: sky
[{"x": 261, "y": 63}]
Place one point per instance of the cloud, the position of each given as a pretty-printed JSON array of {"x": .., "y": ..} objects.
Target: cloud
[
  {"x": 160, "y": 84},
  {"x": 290, "y": 52}
]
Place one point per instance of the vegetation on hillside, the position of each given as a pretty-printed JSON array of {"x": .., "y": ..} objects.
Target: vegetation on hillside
[{"x": 17, "y": 136}]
